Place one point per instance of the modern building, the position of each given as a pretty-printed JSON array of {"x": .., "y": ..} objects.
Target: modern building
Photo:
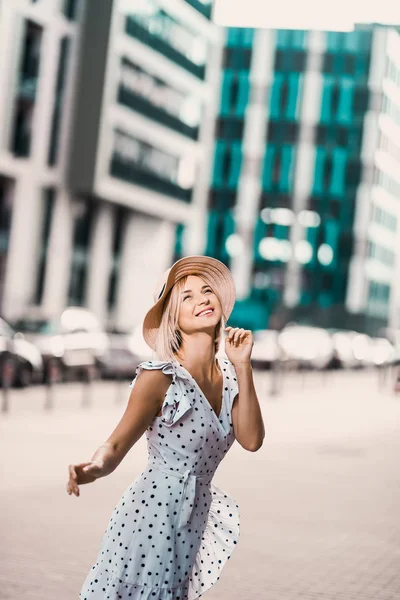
[
  {"x": 305, "y": 196},
  {"x": 107, "y": 119}
]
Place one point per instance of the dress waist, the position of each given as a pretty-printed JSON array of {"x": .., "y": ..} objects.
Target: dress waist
[{"x": 189, "y": 481}]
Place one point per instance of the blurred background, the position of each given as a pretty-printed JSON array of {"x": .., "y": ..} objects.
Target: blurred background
[
  {"x": 135, "y": 132},
  {"x": 265, "y": 134}
]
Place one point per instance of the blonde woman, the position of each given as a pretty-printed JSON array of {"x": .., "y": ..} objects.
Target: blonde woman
[{"x": 173, "y": 530}]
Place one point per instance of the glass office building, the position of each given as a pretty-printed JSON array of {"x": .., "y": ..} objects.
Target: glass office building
[{"x": 304, "y": 202}]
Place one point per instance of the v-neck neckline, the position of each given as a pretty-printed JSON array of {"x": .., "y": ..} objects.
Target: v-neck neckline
[{"x": 202, "y": 393}]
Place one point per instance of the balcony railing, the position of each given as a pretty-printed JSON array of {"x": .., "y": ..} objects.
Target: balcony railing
[
  {"x": 135, "y": 102},
  {"x": 139, "y": 32},
  {"x": 132, "y": 174}
]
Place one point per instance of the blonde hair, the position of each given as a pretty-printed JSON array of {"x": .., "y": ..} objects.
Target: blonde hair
[{"x": 169, "y": 337}]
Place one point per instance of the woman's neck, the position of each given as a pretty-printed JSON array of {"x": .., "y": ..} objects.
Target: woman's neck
[{"x": 199, "y": 358}]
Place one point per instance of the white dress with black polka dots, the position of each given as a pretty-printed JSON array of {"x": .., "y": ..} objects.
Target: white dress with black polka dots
[{"x": 173, "y": 530}]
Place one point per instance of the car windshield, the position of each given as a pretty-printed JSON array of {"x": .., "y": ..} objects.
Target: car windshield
[{"x": 37, "y": 326}]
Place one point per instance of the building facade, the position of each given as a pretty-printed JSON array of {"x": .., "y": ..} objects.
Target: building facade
[
  {"x": 106, "y": 130},
  {"x": 304, "y": 203}
]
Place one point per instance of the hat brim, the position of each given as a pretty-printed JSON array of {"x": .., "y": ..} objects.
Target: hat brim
[{"x": 191, "y": 265}]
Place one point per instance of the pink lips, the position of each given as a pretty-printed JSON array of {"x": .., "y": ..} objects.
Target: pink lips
[{"x": 202, "y": 313}]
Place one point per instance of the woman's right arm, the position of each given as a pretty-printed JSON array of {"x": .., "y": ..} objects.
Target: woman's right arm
[{"x": 144, "y": 403}]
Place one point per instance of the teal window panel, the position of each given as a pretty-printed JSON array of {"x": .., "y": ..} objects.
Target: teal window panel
[
  {"x": 338, "y": 63},
  {"x": 247, "y": 36},
  {"x": 244, "y": 90},
  {"x": 291, "y": 38},
  {"x": 240, "y": 37},
  {"x": 236, "y": 165},
  {"x": 226, "y": 93},
  {"x": 212, "y": 228},
  {"x": 268, "y": 165},
  {"x": 274, "y": 107},
  {"x": 344, "y": 114},
  {"x": 299, "y": 99},
  {"x": 334, "y": 40},
  {"x": 233, "y": 36},
  {"x": 318, "y": 187},
  {"x": 331, "y": 235},
  {"x": 326, "y": 107},
  {"x": 337, "y": 187},
  {"x": 293, "y": 97},
  {"x": 282, "y": 38},
  {"x": 361, "y": 65},
  {"x": 351, "y": 41},
  {"x": 299, "y": 39},
  {"x": 281, "y": 232},
  {"x": 325, "y": 299},
  {"x": 219, "y": 154},
  {"x": 286, "y": 175},
  {"x": 311, "y": 236}
]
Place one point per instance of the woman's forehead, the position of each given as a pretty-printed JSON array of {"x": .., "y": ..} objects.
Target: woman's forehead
[{"x": 194, "y": 279}]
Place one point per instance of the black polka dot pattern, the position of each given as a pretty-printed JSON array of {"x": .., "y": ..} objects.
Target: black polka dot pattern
[{"x": 173, "y": 530}]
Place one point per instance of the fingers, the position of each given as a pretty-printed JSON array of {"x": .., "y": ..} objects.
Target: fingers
[
  {"x": 72, "y": 485},
  {"x": 236, "y": 335}
]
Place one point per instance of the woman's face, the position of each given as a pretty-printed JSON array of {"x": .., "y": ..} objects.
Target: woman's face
[{"x": 200, "y": 309}]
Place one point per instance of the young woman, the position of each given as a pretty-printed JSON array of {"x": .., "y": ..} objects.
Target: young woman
[{"x": 173, "y": 530}]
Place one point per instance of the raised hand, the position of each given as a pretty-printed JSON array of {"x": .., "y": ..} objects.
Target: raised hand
[{"x": 238, "y": 344}]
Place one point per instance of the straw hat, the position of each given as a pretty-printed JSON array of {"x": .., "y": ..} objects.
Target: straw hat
[{"x": 219, "y": 274}]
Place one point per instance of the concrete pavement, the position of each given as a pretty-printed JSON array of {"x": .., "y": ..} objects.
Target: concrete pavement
[{"x": 320, "y": 502}]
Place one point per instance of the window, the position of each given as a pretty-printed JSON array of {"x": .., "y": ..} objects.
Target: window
[
  {"x": 154, "y": 27},
  {"x": 237, "y": 58},
  {"x": 49, "y": 198},
  {"x": 230, "y": 128},
  {"x": 136, "y": 161},
  {"x": 83, "y": 219},
  {"x": 58, "y": 100},
  {"x": 150, "y": 95},
  {"x": 70, "y": 9},
  {"x": 27, "y": 85},
  {"x": 121, "y": 215}
]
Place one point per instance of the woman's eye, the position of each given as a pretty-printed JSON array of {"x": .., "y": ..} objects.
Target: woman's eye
[{"x": 185, "y": 297}]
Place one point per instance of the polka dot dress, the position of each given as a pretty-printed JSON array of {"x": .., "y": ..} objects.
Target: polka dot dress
[{"x": 173, "y": 530}]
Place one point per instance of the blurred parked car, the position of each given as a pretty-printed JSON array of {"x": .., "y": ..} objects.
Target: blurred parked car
[
  {"x": 309, "y": 347},
  {"x": 71, "y": 344},
  {"x": 383, "y": 352},
  {"x": 20, "y": 360},
  {"x": 343, "y": 352},
  {"x": 266, "y": 349},
  {"x": 363, "y": 349},
  {"x": 126, "y": 350}
]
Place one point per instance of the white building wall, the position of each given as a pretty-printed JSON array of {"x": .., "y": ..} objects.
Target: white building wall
[
  {"x": 305, "y": 157},
  {"x": 249, "y": 188},
  {"x": 150, "y": 235}
]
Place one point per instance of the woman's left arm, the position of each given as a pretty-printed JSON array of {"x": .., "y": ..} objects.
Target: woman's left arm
[{"x": 247, "y": 419}]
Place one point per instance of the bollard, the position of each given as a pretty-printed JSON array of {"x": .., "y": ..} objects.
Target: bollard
[
  {"x": 274, "y": 378},
  {"x": 6, "y": 382},
  {"x": 89, "y": 375},
  {"x": 50, "y": 381}
]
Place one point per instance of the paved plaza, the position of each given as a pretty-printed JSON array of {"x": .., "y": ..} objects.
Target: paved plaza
[{"x": 319, "y": 503}]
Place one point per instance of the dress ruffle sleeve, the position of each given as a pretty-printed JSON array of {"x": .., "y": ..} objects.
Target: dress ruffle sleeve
[{"x": 177, "y": 400}]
